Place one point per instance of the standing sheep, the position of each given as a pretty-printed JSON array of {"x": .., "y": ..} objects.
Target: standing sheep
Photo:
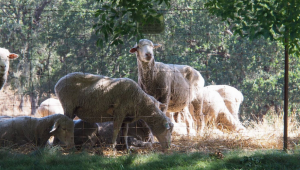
[
  {"x": 5, "y": 56},
  {"x": 50, "y": 106},
  {"x": 25, "y": 129},
  {"x": 171, "y": 84},
  {"x": 97, "y": 98},
  {"x": 231, "y": 96},
  {"x": 93, "y": 134},
  {"x": 214, "y": 111}
]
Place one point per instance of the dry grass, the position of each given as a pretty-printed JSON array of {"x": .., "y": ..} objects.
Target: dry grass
[{"x": 263, "y": 135}]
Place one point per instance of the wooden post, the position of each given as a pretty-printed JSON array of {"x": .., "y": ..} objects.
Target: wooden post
[{"x": 286, "y": 94}]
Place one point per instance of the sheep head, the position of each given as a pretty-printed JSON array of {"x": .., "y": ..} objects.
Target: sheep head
[
  {"x": 165, "y": 138},
  {"x": 5, "y": 56},
  {"x": 144, "y": 50}
]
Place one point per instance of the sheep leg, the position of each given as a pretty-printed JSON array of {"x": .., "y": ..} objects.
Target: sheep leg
[
  {"x": 189, "y": 121},
  {"x": 117, "y": 127},
  {"x": 125, "y": 135},
  {"x": 198, "y": 115}
]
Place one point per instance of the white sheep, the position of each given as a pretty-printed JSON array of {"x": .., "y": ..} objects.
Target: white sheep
[
  {"x": 48, "y": 107},
  {"x": 171, "y": 84},
  {"x": 5, "y": 56},
  {"x": 26, "y": 129},
  {"x": 231, "y": 96},
  {"x": 214, "y": 111},
  {"x": 97, "y": 98}
]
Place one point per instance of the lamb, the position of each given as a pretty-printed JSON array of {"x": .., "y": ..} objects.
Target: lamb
[
  {"x": 214, "y": 111},
  {"x": 92, "y": 134},
  {"x": 26, "y": 129},
  {"x": 97, "y": 98},
  {"x": 171, "y": 84},
  {"x": 5, "y": 56},
  {"x": 231, "y": 96},
  {"x": 50, "y": 106}
]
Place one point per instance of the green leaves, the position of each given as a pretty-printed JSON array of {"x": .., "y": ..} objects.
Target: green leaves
[
  {"x": 120, "y": 18},
  {"x": 268, "y": 18}
]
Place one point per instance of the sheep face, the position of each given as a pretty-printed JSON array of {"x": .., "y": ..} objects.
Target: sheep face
[
  {"x": 165, "y": 138},
  {"x": 144, "y": 50},
  {"x": 5, "y": 56},
  {"x": 63, "y": 129}
]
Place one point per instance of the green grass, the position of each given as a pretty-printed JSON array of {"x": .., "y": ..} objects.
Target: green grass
[{"x": 54, "y": 159}]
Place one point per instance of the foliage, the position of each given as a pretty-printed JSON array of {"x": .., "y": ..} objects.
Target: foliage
[
  {"x": 276, "y": 20},
  {"x": 63, "y": 40},
  {"x": 122, "y": 17}
]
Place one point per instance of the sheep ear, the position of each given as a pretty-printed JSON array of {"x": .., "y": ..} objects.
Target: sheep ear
[
  {"x": 54, "y": 127},
  {"x": 133, "y": 50},
  {"x": 13, "y": 56},
  {"x": 157, "y": 45}
]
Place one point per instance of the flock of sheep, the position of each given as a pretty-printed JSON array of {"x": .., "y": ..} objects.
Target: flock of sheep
[{"x": 121, "y": 111}]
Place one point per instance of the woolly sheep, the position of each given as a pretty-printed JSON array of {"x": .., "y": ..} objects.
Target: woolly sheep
[
  {"x": 215, "y": 112},
  {"x": 26, "y": 129},
  {"x": 5, "y": 56},
  {"x": 91, "y": 134},
  {"x": 231, "y": 96},
  {"x": 50, "y": 106},
  {"x": 97, "y": 98},
  {"x": 171, "y": 84}
]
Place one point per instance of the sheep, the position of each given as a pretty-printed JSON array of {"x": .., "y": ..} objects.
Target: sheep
[
  {"x": 5, "y": 56},
  {"x": 214, "y": 111},
  {"x": 92, "y": 134},
  {"x": 231, "y": 96},
  {"x": 48, "y": 107},
  {"x": 26, "y": 129},
  {"x": 97, "y": 98},
  {"x": 171, "y": 84}
]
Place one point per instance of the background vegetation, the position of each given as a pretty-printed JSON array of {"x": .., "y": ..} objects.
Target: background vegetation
[{"x": 56, "y": 37}]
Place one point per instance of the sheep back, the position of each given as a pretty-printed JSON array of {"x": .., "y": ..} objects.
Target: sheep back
[
  {"x": 231, "y": 96},
  {"x": 48, "y": 107}
]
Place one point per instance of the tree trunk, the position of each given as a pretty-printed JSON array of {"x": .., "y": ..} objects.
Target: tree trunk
[{"x": 34, "y": 103}]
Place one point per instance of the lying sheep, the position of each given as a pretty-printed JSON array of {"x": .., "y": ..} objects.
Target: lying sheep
[
  {"x": 48, "y": 107},
  {"x": 171, "y": 84},
  {"x": 92, "y": 134},
  {"x": 5, "y": 56},
  {"x": 215, "y": 112},
  {"x": 25, "y": 129},
  {"x": 231, "y": 96},
  {"x": 97, "y": 98}
]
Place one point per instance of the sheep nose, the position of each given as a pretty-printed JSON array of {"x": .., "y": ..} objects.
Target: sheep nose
[{"x": 148, "y": 56}]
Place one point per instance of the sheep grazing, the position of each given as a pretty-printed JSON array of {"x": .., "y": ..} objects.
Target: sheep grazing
[
  {"x": 26, "y": 129},
  {"x": 48, "y": 107},
  {"x": 231, "y": 96},
  {"x": 97, "y": 98},
  {"x": 215, "y": 112},
  {"x": 92, "y": 134},
  {"x": 5, "y": 56},
  {"x": 171, "y": 84}
]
